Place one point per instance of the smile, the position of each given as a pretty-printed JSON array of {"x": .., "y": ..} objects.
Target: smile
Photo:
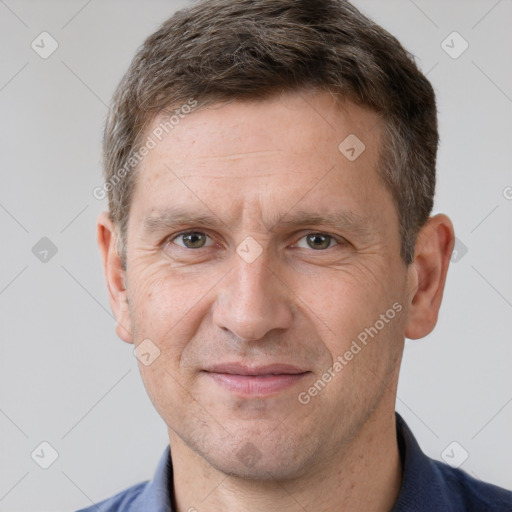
[{"x": 255, "y": 381}]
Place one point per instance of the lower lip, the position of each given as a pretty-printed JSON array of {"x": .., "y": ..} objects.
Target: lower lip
[{"x": 256, "y": 385}]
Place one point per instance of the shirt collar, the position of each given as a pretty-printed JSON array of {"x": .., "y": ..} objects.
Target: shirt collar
[
  {"x": 422, "y": 484},
  {"x": 156, "y": 496}
]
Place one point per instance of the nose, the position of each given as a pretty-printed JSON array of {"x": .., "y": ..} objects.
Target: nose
[{"x": 253, "y": 300}]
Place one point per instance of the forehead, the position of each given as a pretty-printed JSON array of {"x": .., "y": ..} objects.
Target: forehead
[
  {"x": 293, "y": 149},
  {"x": 297, "y": 121}
]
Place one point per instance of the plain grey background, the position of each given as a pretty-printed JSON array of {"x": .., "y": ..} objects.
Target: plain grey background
[{"x": 65, "y": 377}]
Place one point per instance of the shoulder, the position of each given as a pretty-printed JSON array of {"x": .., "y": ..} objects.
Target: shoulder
[
  {"x": 429, "y": 485},
  {"x": 153, "y": 495},
  {"x": 473, "y": 494},
  {"x": 121, "y": 502},
  {"x": 470, "y": 494}
]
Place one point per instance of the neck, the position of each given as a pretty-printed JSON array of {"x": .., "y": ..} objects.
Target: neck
[{"x": 363, "y": 476}]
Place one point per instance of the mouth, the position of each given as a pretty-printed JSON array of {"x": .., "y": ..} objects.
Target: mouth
[{"x": 256, "y": 381}]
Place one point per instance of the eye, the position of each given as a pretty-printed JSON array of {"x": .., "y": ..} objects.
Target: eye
[
  {"x": 317, "y": 241},
  {"x": 198, "y": 240},
  {"x": 192, "y": 240}
]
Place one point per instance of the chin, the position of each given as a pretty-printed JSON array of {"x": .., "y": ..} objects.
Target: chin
[
  {"x": 263, "y": 471},
  {"x": 264, "y": 458}
]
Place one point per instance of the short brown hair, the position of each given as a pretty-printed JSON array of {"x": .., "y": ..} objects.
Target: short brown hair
[{"x": 218, "y": 50}]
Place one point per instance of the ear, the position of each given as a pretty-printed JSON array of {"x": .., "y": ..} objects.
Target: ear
[
  {"x": 434, "y": 246},
  {"x": 115, "y": 276}
]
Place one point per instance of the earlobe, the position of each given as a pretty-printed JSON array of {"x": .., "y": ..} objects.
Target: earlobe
[
  {"x": 114, "y": 275},
  {"x": 434, "y": 246}
]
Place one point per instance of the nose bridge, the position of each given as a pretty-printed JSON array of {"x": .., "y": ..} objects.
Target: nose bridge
[{"x": 252, "y": 301}]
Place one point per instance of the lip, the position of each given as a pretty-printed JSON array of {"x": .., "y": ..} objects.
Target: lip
[
  {"x": 243, "y": 369},
  {"x": 255, "y": 380}
]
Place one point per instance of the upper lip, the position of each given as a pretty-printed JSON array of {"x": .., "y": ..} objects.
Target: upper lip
[{"x": 243, "y": 369}]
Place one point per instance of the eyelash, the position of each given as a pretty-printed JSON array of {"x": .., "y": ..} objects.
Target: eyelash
[{"x": 339, "y": 241}]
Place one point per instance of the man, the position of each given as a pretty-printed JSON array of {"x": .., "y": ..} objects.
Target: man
[{"x": 270, "y": 167}]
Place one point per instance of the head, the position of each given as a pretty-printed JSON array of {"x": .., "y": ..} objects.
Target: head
[{"x": 271, "y": 171}]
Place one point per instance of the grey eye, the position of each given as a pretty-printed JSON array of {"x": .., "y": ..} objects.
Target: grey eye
[
  {"x": 317, "y": 241},
  {"x": 192, "y": 240}
]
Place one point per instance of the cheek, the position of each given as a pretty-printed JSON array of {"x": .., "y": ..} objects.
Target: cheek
[
  {"x": 345, "y": 301},
  {"x": 168, "y": 305},
  {"x": 359, "y": 311},
  {"x": 157, "y": 304}
]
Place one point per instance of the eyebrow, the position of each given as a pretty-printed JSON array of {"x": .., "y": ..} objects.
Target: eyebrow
[
  {"x": 344, "y": 220},
  {"x": 171, "y": 217}
]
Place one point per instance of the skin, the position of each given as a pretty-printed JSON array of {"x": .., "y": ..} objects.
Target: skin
[{"x": 253, "y": 165}]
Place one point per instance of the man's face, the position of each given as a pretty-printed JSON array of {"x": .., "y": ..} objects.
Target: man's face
[{"x": 262, "y": 282}]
